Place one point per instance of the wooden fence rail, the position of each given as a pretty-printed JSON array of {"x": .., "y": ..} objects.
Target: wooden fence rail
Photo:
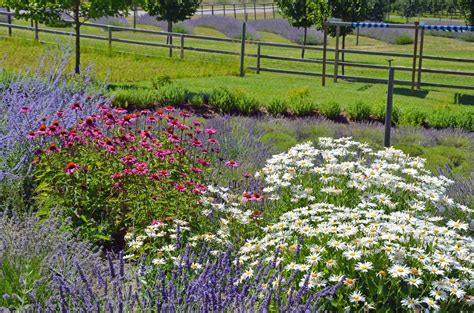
[{"x": 261, "y": 55}]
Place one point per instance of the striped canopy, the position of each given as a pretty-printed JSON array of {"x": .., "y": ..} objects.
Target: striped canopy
[{"x": 444, "y": 28}]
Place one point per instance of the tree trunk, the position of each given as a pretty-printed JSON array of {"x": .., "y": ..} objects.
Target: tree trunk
[
  {"x": 342, "y": 54},
  {"x": 304, "y": 41},
  {"x": 78, "y": 46},
  {"x": 170, "y": 29}
]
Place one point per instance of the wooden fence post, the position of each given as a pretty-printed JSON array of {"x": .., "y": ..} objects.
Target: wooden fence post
[
  {"x": 415, "y": 51},
  {"x": 273, "y": 10},
  {"x": 36, "y": 31},
  {"x": 264, "y": 12},
  {"x": 357, "y": 36},
  {"x": 223, "y": 7},
  {"x": 181, "y": 54},
  {"x": 202, "y": 10},
  {"x": 420, "y": 60},
  {"x": 258, "y": 58},
  {"x": 325, "y": 43},
  {"x": 9, "y": 20},
  {"x": 388, "y": 112},
  {"x": 255, "y": 11},
  {"x": 336, "y": 52},
  {"x": 110, "y": 38},
  {"x": 171, "y": 44},
  {"x": 212, "y": 9},
  {"x": 245, "y": 9},
  {"x": 242, "y": 51},
  {"x": 235, "y": 12}
]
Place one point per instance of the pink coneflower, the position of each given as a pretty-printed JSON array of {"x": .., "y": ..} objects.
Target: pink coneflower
[
  {"x": 169, "y": 108},
  {"x": 25, "y": 110},
  {"x": 71, "y": 167},
  {"x": 164, "y": 173},
  {"x": 145, "y": 112},
  {"x": 31, "y": 136},
  {"x": 247, "y": 175},
  {"x": 157, "y": 222},
  {"x": 180, "y": 188},
  {"x": 117, "y": 175},
  {"x": 59, "y": 114},
  {"x": 204, "y": 162},
  {"x": 232, "y": 163},
  {"x": 196, "y": 170},
  {"x": 129, "y": 159},
  {"x": 76, "y": 106},
  {"x": 140, "y": 169},
  {"x": 196, "y": 123},
  {"x": 53, "y": 148},
  {"x": 210, "y": 131},
  {"x": 151, "y": 119},
  {"x": 184, "y": 114},
  {"x": 196, "y": 143},
  {"x": 154, "y": 177},
  {"x": 120, "y": 110},
  {"x": 213, "y": 141},
  {"x": 42, "y": 129}
]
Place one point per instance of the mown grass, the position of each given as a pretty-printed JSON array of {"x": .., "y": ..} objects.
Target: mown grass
[{"x": 132, "y": 69}]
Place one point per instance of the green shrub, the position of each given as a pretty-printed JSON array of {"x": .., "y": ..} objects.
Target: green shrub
[
  {"x": 161, "y": 81},
  {"x": 136, "y": 98},
  {"x": 410, "y": 149},
  {"x": 245, "y": 104},
  {"x": 300, "y": 102},
  {"x": 277, "y": 106},
  {"x": 358, "y": 112},
  {"x": 281, "y": 141},
  {"x": 223, "y": 100},
  {"x": 172, "y": 94},
  {"x": 60, "y": 24},
  {"x": 331, "y": 110},
  {"x": 404, "y": 40},
  {"x": 413, "y": 117},
  {"x": 380, "y": 110},
  {"x": 197, "y": 100}
]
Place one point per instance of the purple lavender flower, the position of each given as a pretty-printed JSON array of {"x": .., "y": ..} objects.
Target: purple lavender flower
[
  {"x": 283, "y": 28},
  {"x": 230, "y": 27}
]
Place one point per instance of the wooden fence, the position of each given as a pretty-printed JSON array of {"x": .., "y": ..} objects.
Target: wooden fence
[{"x": 416, "y": 69}]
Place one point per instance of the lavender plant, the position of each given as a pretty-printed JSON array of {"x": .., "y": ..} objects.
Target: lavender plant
[
  {"x": 111, "y": 20},
  {"x": 35, "y": 97},
  {"x": 179, "y": 27},
  {"x": 31, "y": 252},
  {"x": 228, "y": 26},
  {"x": 390, "y": 35},
  {"x": 214, "y": 287},
  {"x": 283, "y": 28}
]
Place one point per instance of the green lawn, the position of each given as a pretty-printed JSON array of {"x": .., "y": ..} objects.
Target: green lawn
[{"x": 132, "y": 65}]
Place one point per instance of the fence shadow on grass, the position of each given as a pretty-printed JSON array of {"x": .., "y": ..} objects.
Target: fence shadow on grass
[
  {"x": 460, "y": 98},
  {"x": 410, "y": 93}
]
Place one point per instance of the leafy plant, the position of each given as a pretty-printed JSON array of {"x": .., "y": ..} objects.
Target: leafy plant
[
  {"x": 359, "y": 111},
  {"x": 404, "y": 40},
  {"x": 277, "y": 106},
  {"x": 330, "y": 110}
]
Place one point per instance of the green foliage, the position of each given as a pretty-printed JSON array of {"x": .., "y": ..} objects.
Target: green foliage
[
  {"x": 171, "y": 11},
  {"x": 410, "y": 149},
  {"x": 359, "y": 111},
  {"x": 408, "y": 8},
  {"x": 348, "y": 11},
  {"x": 161, "y": 81},
  {"x": 18, "y": 277},
  {"x": 135, "y": 98},
  {"x": 404, "y": 40},
  {"x": 330, "y": 110},
  {"x": 280, "y": 140},
  {"x": 467, "y": 7},
  {"x": 380, "y": 110},
  {"x": 413, "y": 117},
  {"x": 223, "y": 100},
  {"x": 172, "y": 94},
  {"x": 277, "y": 106},
  {"x": 300, "y": 101},
  {"x": 197, "y": 100}
]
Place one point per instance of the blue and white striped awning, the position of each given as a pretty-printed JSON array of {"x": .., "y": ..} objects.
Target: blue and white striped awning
[
  {"x": 370, "y": 25},
  {"x": 449, "y": 28},
  {"x": 444, "y": 28}
]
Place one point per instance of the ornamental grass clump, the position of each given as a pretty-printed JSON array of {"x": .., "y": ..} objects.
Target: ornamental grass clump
[
  {"x": 378, "y": 220},
  {"x": 115, "y": 169}
]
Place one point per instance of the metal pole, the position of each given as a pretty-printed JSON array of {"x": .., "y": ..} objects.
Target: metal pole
[
  {"x": 415, "y": 50},
  {"x": 420, "y": 60},
  {"x": 9, "y": 19},
  {"x": 181, "y": 55},
  {"x": 336, "y": 52},
  {"x": 110, "y": 37},
  {"x": 258, "y": 58},
  {"x": 388, "y": 112},
  {"x": 242, "y": 51},
  {"x": 323, "y": 77}
]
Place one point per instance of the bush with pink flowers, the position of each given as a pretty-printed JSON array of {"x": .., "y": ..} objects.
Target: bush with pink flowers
[{"x": 115, "y": 170}]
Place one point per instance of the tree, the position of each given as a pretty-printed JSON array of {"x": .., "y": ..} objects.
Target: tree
[
  {"x": 408, "y": 8},
  {"x": 44, "y": 11},
  {"x": 348, "y": 11},
  {"x": 172, "y": 11},
  {"x": 304, "y": 13},
  {"x": 378, "y": 9},
  {"x": 467, "y": 7}
]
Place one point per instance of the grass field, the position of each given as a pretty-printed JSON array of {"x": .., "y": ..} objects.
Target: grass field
[{"x": 131, "y": 66}]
